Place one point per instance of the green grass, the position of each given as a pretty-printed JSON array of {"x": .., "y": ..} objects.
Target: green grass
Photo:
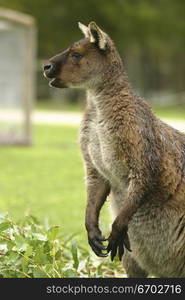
[
  {"x": 46, "y": 180},
  {"x": 171, "y": 112},
  {"x": 59, "y": 105}
]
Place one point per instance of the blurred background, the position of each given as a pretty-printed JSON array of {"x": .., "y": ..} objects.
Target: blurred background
[{"x": 47, "y": 178}]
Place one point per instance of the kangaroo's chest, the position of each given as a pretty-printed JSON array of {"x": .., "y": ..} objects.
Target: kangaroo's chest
[{"x": 105, "y": 155}]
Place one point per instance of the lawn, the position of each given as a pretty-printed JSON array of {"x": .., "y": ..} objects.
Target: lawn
[
  {"x": 47, "y": 180},
  {"x": 171, "y": 112}
]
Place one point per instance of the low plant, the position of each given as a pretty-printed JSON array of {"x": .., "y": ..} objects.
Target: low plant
[{"x": 31, "y": 249}]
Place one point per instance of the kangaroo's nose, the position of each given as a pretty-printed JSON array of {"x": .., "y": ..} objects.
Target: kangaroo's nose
[
  {"x": 48, "y": 67},
  {"x": 49, "y": 70}
]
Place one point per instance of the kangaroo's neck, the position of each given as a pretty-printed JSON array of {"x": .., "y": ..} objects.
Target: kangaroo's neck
[{"x": 112, "y": 95}]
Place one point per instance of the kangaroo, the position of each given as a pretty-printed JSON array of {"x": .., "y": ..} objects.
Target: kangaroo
[{"x": 131, "y": 156}]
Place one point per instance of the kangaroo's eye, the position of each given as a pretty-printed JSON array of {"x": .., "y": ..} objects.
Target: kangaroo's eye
[{"x": 76, "y": 55}]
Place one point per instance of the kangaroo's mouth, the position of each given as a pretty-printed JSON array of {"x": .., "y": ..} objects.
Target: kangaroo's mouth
[{"x": 55, "y": 82}]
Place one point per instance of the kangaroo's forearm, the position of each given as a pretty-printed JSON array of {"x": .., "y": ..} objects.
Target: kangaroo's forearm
[
  {"x": 97, "y": 195},
  {"x": 97, "y": 192}
]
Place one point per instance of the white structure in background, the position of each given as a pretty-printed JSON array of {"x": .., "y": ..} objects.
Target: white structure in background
[{"x": 17, "y": 76}]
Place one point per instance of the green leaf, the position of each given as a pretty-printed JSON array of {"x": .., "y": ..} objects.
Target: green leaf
[
  {"x": 20, "y": 244},
  {"x": 69, "y": 273},
  {"x": 5, "y": 225},
  {"x": 58, "y": 254},
  {"x": 40, "y": 257},
  {"x": 13, "y": 256},
  {"x": 29, "y": 251},
  {"x": 52, "y": 233},
  {"x": 99, "y": 271},
  {"x": 3, "y": 249},
  {"x": 75, "y": 255},
  {"x": 24, "y": 264},
  {"x": 33, "y": 219},
  {"x": 38, "y": 273},
  {"x": 47, "y": 247},
  {"x": 3, "y": 215},
  {"x": 40, "y": 236}
]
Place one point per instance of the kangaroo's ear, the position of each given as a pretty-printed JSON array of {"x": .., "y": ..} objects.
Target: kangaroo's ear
[
  {"x": 97, "y": 36},
  {"x": 84, "y": 29}
]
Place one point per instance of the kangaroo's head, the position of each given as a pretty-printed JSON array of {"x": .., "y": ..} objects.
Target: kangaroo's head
[{"x": 84, "y": 62}]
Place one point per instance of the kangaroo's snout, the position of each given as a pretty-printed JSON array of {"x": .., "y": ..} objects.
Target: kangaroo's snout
[
  {"x": 48, "y": 67},
  {"x": 49, "y": 70}
]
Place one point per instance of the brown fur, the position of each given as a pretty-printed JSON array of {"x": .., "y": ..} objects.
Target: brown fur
[{"x": 129, "y": 154}]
